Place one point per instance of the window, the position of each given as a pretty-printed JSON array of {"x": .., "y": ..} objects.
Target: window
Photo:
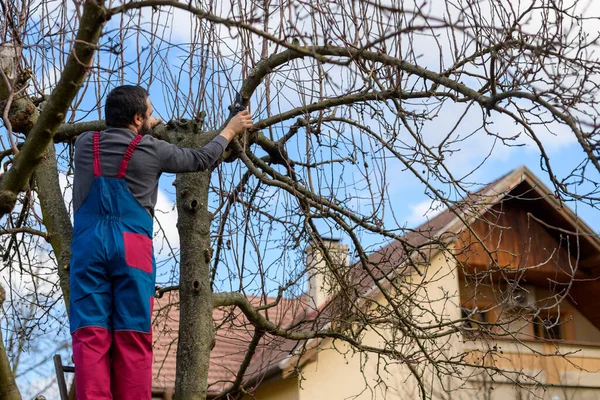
[
  {"x": 474, "y": 315},
  {"x": 550, "y": 327}
]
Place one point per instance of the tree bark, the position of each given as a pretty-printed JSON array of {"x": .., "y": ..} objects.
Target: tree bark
[
  {"x": 196, "y": 331},
  {"x": 56, "y": 217},
  {"x": 8, "y": 386}
]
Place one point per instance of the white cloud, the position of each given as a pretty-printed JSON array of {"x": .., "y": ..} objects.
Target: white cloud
[
  {"x": 47, "y": 78},
  {"x": 66, "y": 187},
  {"x": 165, "y": 226},
  {"x": 424, "y": 211},
  {"x": 50, "y": 8},
  {"x": 182, "y": 24}
]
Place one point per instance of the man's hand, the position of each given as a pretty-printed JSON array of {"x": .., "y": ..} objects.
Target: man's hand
[
  {"x": 153, "y": 121},
  {"x": 237, "y": 125}
]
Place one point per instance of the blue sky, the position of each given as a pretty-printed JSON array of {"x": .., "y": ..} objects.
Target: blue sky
[{"x": 408, "y": 199}]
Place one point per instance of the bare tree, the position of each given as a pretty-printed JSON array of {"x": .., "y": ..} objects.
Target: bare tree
[{"x": 349, "y": 97}]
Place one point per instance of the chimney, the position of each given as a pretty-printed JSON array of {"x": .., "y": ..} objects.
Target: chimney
[{"x": 324, "y": 280}]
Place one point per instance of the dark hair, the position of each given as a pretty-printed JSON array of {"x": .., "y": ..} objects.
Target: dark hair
[{"x": 123, "y": 103}]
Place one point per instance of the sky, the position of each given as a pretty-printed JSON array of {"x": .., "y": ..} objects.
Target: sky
[
  {"x": 408, "y": 200},
  {"x": 410, "y": 204}
]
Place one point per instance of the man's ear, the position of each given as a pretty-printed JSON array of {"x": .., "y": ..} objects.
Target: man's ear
[{"x": 138, "y": 119}]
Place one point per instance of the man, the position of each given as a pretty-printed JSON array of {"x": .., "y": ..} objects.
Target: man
[{"x": 112, "y": 266}]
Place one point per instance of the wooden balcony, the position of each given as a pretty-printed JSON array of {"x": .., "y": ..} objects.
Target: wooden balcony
[{"x": 552, "y": 364}]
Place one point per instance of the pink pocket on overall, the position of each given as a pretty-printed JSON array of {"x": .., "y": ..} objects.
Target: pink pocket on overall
[{"x": 138, "y": 251}]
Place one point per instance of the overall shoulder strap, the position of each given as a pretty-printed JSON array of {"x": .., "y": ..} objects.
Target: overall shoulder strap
[
  {"x": 127, "y": 156},
  {"x": 96, "y": 145}
]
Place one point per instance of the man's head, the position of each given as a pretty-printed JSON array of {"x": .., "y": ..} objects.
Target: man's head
[{"x": 129, "y": 107}]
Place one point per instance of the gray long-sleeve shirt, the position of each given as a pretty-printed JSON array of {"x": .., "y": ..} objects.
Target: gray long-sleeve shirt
[{"x": 150, "y": 159}]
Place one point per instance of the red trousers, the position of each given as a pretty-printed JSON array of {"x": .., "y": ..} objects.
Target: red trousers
[{"x": 130, "y": 375}]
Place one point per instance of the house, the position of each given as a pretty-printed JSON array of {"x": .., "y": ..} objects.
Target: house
[{"x": 495, "y": 298}]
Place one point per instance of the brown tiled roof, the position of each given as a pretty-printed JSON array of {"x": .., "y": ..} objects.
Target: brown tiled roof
[{"x": 232, "y": 336}]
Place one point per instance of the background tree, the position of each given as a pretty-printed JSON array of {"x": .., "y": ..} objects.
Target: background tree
[{"x": 349, "y": 97}]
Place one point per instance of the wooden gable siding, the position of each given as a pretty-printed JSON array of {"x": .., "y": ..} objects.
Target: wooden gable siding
[
  {"x": 529, "y": 242},
  {"x": 584, "y": 295},
  {"x": 519, "y": 242}
]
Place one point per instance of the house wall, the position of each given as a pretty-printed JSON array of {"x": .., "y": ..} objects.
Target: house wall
[
  {"x": 585, "y": 331},
  {"x": 339, "y": 372},
  {"x": 280, "y": 389},
  {"x": 504, "y": 391},
  {"x": 575, "y": 326},
  {"x": 553, "y": 393}
]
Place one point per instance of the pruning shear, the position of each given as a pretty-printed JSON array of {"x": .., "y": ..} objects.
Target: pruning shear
[{"x": 237, "y": 105}]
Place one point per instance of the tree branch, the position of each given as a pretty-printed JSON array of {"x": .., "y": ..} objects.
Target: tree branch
[
  {"x": 25, "y": 229},
  {"x": 239, "y": 377},
  {"x": 67, "y": 132},
  {"x": 8, "y": 386},
  {"x": 77, "y": 65}
]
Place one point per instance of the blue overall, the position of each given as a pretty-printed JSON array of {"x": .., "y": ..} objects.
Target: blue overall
[{"x": 113, "y": 275}]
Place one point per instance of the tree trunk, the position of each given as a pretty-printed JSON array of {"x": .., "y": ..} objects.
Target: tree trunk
[
  {"x": 196, "y": 331},
  {"x": 56, "y": 217},
  {"x": 57, "y": 222},
  {"x": 8, "y": 386}
]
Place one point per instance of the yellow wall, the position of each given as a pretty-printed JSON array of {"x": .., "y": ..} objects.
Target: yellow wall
[
  {"x": 340, "y": 373},
  {"x": 509, "y": 392},
  {"x": 280, "y": 389}
]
